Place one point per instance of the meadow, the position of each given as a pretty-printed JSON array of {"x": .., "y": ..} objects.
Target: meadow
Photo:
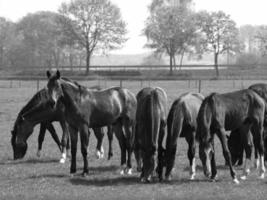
[{"x": 45, "y": 178}]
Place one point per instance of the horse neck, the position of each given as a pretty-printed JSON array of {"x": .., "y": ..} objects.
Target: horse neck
[
  {"x": 39, "y": 97},
  {"x": 41, "y": 113}
]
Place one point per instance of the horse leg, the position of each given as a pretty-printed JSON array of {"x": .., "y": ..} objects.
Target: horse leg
[
  {"x": 161, "y": 150},
  {"x": 64, "y": 140},
  {"x": 53, "y": 133},
  {"x": 129, "y": 135},
  {"x": 122, "y": 142},
  {"x": 74, "y": 140},
  {"x": 84, "y": 138},
  {"x": 190, "y": 138},
  {"x": 213, "y": 161},
  {"x": 99, "y": 134},
  {"x": 110, "y": 139},
  {"x": 247, "y": 143},
  {"x": 226, "y": 153},
  {"x": 41, "y": 138},
  {"x": 259, "y": 143}
]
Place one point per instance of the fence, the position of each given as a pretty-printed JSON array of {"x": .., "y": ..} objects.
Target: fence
[{"x": 203, "y": 86}]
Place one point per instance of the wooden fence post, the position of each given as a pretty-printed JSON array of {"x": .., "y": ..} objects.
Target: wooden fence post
[{"x": 199, "y": 86}]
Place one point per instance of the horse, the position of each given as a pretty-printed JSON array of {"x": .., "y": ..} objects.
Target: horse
[
  {"x": 235, "y": 146},
  {"x": 151, "y": 117},
  {"x": 38, "y": 110},
  {"x": 86, "y": 108},
  {"x": 182, "y": 122},
  {"x": 219, "y": 113}
]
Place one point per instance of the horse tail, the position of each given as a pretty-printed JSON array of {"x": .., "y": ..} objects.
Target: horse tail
[
  {"x": 153, "y": 118},
  {"x": 175, "y": 124},
  {"x": 204, "y": 118}
]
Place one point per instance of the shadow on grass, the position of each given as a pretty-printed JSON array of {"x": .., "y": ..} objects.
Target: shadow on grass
[
  {"x": 105, "y": 182},
  {"x": 200, "y": 168},
  {"x": 49, "y": 176},
  {"x": 101, "y": 169},
  {"x": 28, "y": 161}
]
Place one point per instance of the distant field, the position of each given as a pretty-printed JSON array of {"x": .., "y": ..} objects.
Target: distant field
[{"x": 45, "y": 178}]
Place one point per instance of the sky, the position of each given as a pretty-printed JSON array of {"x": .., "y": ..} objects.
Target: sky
[{"x": 134, "y": 12}]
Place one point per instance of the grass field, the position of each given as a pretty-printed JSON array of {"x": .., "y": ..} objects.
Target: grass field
[{"x": 45, "y": 178}]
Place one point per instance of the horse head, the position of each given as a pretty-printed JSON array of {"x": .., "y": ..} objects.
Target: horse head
[
  {"x": 54, "y": 87},
  {"x": 19, "y": 135}
]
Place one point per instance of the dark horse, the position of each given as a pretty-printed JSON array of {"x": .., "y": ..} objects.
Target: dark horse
[
  {"x": 235, "y": 143},
  {"x": 150, "y": 130},
  {"x": 38, "y": 110},
  {"x": 182, "y": 122},
  {"x": 222, "y": 112},
  {"x": 85, "y": 108}
]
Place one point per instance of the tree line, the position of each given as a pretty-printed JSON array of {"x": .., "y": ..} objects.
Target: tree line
[{"x": 82, "y": 28}]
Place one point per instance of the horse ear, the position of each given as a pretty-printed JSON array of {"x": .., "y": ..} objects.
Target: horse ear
[
  {"x": 58, "y": 74},
  {"x": 48, "y": 74}
]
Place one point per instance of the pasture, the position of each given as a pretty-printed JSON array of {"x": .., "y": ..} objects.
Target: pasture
[{"x": 46, "y": 178}]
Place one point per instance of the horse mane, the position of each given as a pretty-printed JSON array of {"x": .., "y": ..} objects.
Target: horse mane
[{"x": 38, "y": 97}]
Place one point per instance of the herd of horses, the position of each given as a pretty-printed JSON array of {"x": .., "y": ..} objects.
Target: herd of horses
[{"x": 141, "y": 122}]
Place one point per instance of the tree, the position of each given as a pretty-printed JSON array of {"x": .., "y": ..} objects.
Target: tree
[
  {"x": 170, "y": 30},
  {"x": 42, "y": 37},
  {"x": 219, "y": 34},
  {"x": 261, "y": 37},
  {"x": 96, "y": 25},
  {"x": 6, "y": 30}
]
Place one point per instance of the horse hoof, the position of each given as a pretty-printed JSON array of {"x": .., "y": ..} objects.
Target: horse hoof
[
  {"x": 192, "y": 177},
  {"x": 244, "y": 177},
  {"x": 261, "y": 176},
  {"x": 142, "y": 180},
  {"x": 168, "y": 178},
  {"x": 84, "y": 174},
  {"x": 236, "y": 181},
  {"x": 38, "y": 154},
  {"x": 102, "y": 155},
  {"x": 129, "y": 171},
  {"x": 62, "y": 160},
  {"x": 98, "y": 154},
  {"x": 122, "y": 172},
  {"x": 213, "y": 180}
]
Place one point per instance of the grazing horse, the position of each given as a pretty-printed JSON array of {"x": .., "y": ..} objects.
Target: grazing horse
[
  {"x": 150, "y": 130},
  {"x": 219, "y": 113},
  {"x": 182, "y": 122},
  {"x": 235, "y": 143},
  {"x": 86, "y": 108},
  {"x": 38, "y": 110},
  {"x": 23, "y": 129}
]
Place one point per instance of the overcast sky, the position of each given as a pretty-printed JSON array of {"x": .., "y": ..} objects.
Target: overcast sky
[{"x": 134, "y": 12}]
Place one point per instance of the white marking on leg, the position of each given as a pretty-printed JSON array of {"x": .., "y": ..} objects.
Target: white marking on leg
[
  {"x": 262, "y": 167},
  {"x": 129, "y": 171},
  {"x": 257, "y": 163},
  {"x": 98, "y": 154},
  {"x": 38, "y": 153},
  {"x": 63, "y": 158},
  {"x": 236, "y": 181},
  {"x": 102, "y": 152},
  {"x": 193, "y": 169},
  {"x": 246, "y": 169}
]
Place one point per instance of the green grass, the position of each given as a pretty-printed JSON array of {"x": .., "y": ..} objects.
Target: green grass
[{"x": 45, "y": 178}]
